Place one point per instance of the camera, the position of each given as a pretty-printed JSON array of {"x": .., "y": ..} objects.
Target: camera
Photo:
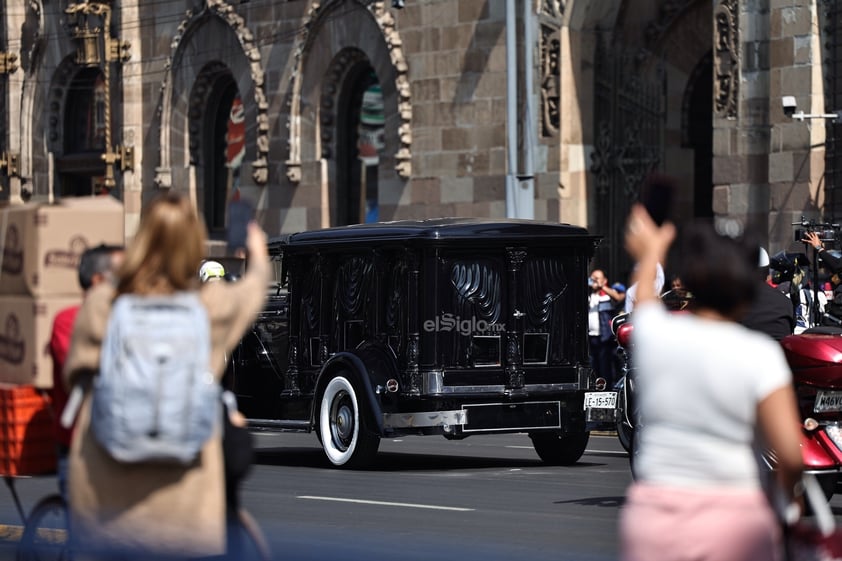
[
  {"x": 827, "y": 232},
  {"x": 789, "y": 105}
]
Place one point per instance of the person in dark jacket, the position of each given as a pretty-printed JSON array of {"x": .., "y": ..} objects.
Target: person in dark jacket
[{"x": 771, "y": 311}]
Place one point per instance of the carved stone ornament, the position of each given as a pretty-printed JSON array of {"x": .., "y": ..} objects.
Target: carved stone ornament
[
  {"x": 550, "y": 88},
  {"x": 726, "y": 61},
  {"x": 227, "y": 14},
  {"x": 551, "y": 8},
  {"x": 386, "y": 22}
]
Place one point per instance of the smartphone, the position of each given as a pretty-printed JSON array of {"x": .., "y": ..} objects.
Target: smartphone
[
  {"x": 240, "y": 213},
  {"x": 657, "y": 194}
]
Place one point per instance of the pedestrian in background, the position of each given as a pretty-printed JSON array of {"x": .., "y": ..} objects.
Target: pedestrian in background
[
  {"x": 711, "y": 393},
  {"x": 603, "y": 304},
  {"x": 631, "y": 293},
  {"x": 97, "y": 265},
  {"x": 771, "y": 311},
  {"x": 157, "y": 508}
]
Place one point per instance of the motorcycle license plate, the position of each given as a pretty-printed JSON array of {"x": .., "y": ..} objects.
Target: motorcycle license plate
[
  {"x": 600, "y": 400},
  {"x": 828, "y": 401}
]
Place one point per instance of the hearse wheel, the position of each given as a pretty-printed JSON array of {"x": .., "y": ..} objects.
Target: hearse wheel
[
  {"x": 559, "y": 449},
  {"x": 342, "y": 426}
]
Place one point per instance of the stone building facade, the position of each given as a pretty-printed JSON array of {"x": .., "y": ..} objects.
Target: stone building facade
[{"x": 355, "y": 110}]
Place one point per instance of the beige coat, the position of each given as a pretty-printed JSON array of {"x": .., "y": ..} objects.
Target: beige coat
[{"x": 168, "y": 509}]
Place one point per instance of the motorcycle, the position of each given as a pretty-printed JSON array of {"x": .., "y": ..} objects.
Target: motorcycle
[{"x": 815, "y": 358}]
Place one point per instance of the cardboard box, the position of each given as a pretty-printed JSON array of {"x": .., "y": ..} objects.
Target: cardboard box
[
  {"x": 42, "y": 243},
  {"x": 26, "y": 323}
]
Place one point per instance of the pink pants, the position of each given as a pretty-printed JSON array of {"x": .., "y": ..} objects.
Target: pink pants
[{"x": 661, "y": 523}]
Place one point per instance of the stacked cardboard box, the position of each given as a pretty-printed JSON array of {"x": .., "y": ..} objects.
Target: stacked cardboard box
[{"x": 41, "y": 246}]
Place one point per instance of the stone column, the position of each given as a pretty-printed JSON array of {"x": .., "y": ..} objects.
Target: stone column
[
  {"x": 15, "y": 15},
  {"x": 741, "y": 112},
  {"x": 575, "y": 136},
  {"x": 132, "y": 122},
  {"x": 796, "y": 148}
]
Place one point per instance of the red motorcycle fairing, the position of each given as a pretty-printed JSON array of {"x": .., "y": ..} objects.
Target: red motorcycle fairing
[
  {"x": 815, "y": 359},
  {"x": 819, "y": 452}
]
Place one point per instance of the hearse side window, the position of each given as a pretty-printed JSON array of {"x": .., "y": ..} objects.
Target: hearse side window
[
  {"x": 485, "y": 350},
  {"x": 535, "y": 348},
  {"x": 315, "y": 345}
]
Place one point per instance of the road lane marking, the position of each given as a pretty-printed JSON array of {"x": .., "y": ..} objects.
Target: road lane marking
[
  {"x": 607, "y": 452},
  {"x": 587, "y": 451},
  {"x": 383, "y": 503}
]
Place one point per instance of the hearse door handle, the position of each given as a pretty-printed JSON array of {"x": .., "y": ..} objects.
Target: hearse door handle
[{"x": 518, "y": 314}]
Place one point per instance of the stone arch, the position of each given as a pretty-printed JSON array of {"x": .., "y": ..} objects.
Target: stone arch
[
  {"x": 215, "y": 34},
  {"x": 370, "y": 29},
  {"x": 59, "y": 85}
]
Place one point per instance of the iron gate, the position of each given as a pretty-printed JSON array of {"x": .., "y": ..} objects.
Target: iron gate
[
  {"x": 833, "y": 101},
  {"x": 629, "y": 118}
]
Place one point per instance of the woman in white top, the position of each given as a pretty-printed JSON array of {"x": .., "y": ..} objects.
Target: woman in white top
[{"x": 711, "y": 394}]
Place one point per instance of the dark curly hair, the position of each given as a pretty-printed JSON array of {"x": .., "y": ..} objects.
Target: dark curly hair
[{"x": 720, "y": 271}]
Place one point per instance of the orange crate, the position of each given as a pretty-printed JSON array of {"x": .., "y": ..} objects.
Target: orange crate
[{"x": 27, "y": 434}]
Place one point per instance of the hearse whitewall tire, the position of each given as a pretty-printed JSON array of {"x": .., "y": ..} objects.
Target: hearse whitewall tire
[{"x": 342, "y": 426}]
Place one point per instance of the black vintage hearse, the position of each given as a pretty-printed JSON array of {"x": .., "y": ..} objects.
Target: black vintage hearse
[{"x": 448, "y": 326}]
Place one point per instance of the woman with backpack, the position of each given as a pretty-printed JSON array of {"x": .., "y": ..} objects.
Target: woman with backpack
[{"x": 128, "y": 494}]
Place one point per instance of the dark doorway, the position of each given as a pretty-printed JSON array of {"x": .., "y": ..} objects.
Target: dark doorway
[
  {"x": 359, "y": 145},
  {"x": 700, "y": 137},
  {"x": 80, "y": 168}
]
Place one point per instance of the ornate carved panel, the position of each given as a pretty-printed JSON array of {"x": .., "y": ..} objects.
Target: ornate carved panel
[
  {"x": 726, "y": 63},
  {"x": 550, "y": 13},
  {"x": 544, "y": 281},
  {"x": 477, "y": 288}
]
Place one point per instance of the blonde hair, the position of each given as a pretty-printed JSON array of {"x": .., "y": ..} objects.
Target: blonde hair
[{"x": 167, "y": 250}]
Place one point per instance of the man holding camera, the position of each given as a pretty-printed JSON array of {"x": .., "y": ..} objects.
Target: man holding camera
[{"x": 833, "y": 263}]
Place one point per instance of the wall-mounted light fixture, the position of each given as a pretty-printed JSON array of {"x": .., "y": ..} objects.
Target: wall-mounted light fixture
[
  {"x": 90, "y": 27},
  {"x": 789, "y": 105}
]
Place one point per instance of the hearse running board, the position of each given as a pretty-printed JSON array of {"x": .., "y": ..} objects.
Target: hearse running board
[{"x": 425, "y": 419}]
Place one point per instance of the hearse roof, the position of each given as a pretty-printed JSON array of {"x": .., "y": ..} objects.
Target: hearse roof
[{"x": 439, "y": 229}]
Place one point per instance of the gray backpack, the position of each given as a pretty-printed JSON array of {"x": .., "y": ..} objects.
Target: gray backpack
[{"x": 155, "y": 398}]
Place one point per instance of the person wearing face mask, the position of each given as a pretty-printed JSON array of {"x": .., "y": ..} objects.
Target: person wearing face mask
[{"x": 603, "y": 303}]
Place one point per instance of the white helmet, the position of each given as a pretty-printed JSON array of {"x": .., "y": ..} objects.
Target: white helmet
[{"x": 211, "y": 271}]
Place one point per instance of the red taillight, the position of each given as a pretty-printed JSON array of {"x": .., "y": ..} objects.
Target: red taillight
[{"x": 624, "y": 334}]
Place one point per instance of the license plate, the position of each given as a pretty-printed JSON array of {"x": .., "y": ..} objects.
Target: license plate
[
  {"x": 828, "y": 401},
  {"x": 600, "y": 400}
]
